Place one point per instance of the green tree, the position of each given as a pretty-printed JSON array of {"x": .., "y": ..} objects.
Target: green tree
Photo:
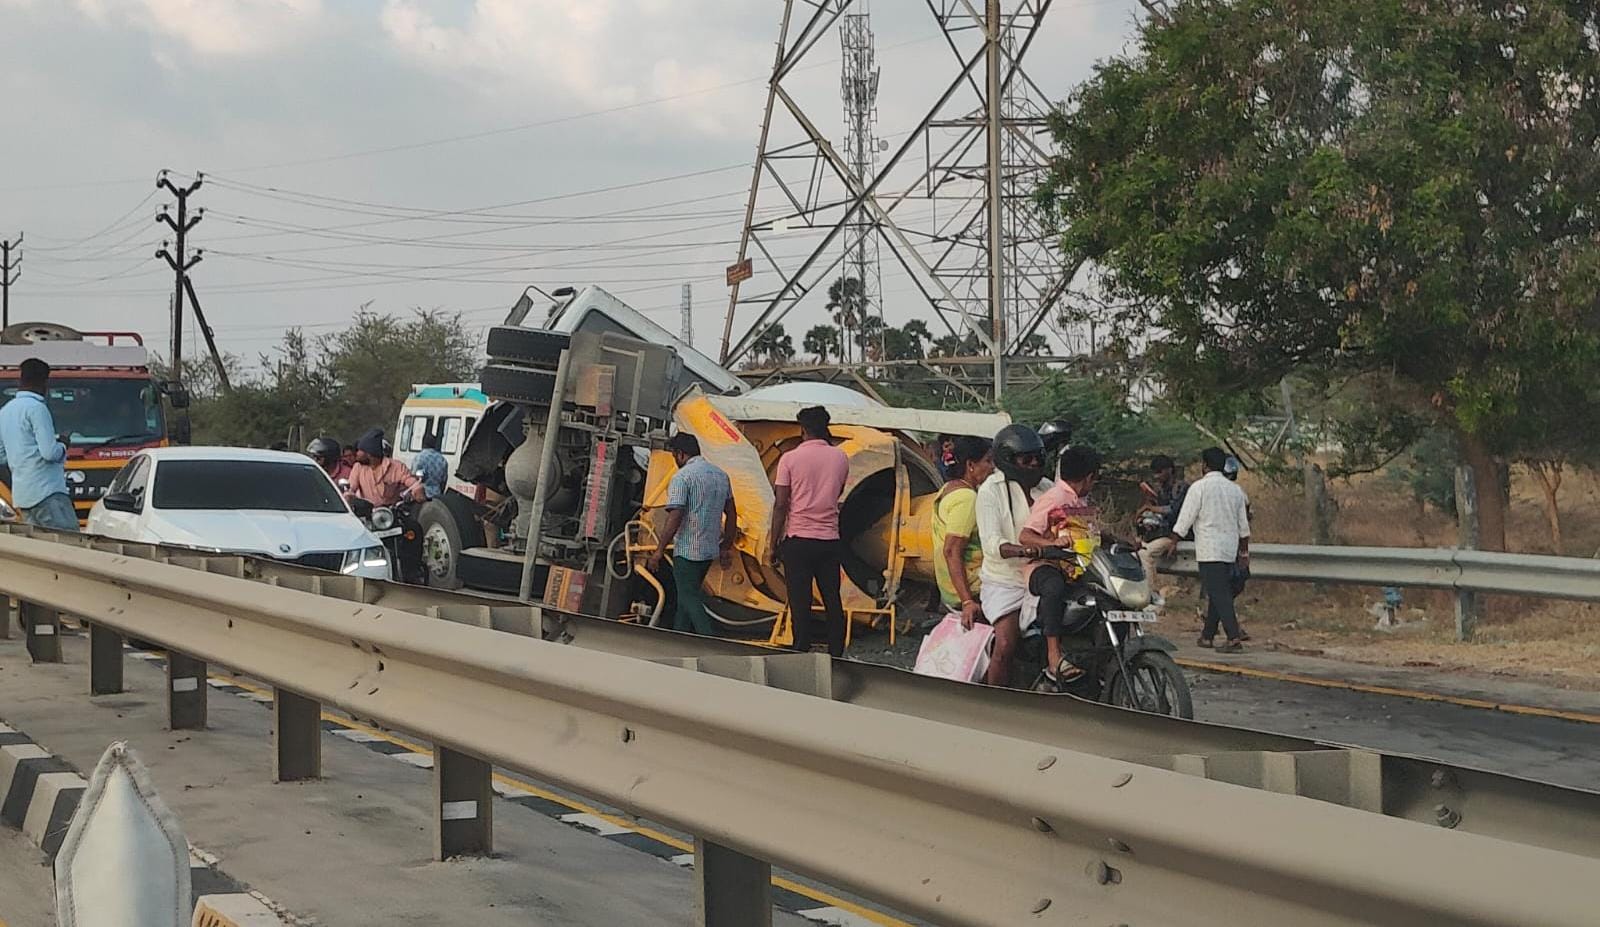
[
  {"x": 775, "y": 347},
  {"x": 822, "y": 341},
  {"x": 368, "y": 368},
  {"x": 1398, "y": 189}
]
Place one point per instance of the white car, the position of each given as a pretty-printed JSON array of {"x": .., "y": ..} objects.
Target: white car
[{"x": 239, "y": 501}]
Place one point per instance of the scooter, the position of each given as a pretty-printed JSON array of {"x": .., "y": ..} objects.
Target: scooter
[{"x": 1124, "y": 662}]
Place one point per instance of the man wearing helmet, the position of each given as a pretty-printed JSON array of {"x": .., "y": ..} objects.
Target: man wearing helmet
[
  {"x": 1002, "y": 506},
  {"x": 329, "y": 456}
]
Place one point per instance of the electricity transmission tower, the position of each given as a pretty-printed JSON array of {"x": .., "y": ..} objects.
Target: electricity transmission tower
[
  {"x": 950, "y": 203},
  {"x": 686, "y": 310}
]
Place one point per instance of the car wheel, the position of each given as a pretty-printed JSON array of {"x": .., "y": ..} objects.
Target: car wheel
[
  {"x": 519, "y": 384},
  {"x": 449, "y": 526},
  {"x": 527, "y": 345}
]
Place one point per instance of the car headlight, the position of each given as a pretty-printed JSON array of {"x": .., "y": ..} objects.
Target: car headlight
[
  {"x": 371, "y": 557},
  {"x": 382, "y": 519}
]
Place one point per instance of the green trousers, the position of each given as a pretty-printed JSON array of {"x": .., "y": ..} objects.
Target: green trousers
[{"x": 689, "y": 576}]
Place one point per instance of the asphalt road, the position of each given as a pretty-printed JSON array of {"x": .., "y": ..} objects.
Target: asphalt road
[
  {"x": 1549, "y": 749},
  {"x": 27, "y": 892}
]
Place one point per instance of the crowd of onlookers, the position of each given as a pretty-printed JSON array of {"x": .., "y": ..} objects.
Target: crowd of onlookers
[{"x": 1008, "y": 508}]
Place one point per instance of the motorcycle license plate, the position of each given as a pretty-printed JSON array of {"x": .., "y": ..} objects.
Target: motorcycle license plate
[{"x": 1137, "y": 617}]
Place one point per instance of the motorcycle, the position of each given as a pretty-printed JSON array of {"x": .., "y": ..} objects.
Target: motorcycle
[
  {"x": 1124, "y": 662},
  {"x": 396, "y": 527}
]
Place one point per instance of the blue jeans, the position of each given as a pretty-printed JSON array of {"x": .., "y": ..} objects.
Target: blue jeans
[{"x": 55, "y": 511}]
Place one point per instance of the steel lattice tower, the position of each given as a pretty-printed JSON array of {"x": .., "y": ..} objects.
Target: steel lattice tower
[
  {"x": 951, "y": 203},
  {"x": 858, "y": 86}
]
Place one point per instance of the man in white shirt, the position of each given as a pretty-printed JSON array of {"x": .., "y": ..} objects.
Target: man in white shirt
[
  {"x": 1003, "y": 502},
  {"x": 1216, "y": 511}
]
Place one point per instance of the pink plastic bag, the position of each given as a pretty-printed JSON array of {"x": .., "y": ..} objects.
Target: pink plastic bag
[{"x": 950, "y": 652}]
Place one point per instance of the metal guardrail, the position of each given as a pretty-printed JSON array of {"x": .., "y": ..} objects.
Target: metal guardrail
[
  {"x": 1475, "y": 801},
  {"x": 1571, "y": 578},
  {"x": 960, "y": 826}
]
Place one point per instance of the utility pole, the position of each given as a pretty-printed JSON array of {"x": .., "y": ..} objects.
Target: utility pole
[
  {"x": 178, "y": 259},
  {"x": 686, "y": 307},
  {"x": 10, "y": 272}
]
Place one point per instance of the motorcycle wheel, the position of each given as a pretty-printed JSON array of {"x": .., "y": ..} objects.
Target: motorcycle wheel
[{"x": 1154, "y": 683}]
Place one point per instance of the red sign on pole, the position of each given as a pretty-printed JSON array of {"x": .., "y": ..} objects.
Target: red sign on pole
[{"x": 740, "y": 272}]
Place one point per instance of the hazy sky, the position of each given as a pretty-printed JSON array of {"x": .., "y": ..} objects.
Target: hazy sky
[{"x": 436, "y": 153}]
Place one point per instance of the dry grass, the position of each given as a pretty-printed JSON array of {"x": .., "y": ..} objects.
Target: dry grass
[{"x": 1554, "y": 642}]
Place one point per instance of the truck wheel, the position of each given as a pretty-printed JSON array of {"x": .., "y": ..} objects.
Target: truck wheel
[
  {"x": 526, "y": 345},
  {"x": 519, "y": 384},
  {"x": 448, "y": 527}
]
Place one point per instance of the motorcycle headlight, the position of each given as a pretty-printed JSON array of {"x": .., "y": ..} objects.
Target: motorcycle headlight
[
  {"x": 382, "y": 519},
  {"x": 369, "y": 557}
]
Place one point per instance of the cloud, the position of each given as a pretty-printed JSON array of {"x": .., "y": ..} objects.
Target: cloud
[
  {"x": 216, "y": 28},
  {"x": 596, "y": 54}
]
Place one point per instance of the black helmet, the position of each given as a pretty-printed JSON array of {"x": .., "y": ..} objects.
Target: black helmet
[
  {"x": 1014, "y": 441},
  {"x": 323, "y": 449},
  {"x": 1055, "y": 434},
  {"x": 1230, "y": 467}
]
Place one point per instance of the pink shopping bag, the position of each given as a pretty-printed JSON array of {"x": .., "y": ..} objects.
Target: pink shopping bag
[{"x": 950, "y": 652}]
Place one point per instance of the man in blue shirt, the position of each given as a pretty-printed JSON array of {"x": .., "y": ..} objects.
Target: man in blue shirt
[
  {"x": 702, "y": 518},
  {"x": 36, "y": 456},
  {"x": 431, "y": 466}
]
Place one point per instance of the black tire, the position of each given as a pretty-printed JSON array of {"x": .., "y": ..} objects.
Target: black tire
[
  {"x": 448, "y": 526},
  {"x": 527, "y": 345},
  {"x": 519, "y": 384},
  {"x": 1159, "y": 686}
]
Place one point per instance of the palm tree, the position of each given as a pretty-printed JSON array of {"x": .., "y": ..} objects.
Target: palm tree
[
  {"x": 774, "y": 345},
  {"x": 847, "y": 300},
  {"x": 822, "y": 341}
]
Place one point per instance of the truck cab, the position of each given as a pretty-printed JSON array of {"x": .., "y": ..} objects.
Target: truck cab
[{"x": 102, "y": 397}]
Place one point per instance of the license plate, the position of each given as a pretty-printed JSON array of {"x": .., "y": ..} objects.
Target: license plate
[{"x": 1138, "y": 617}]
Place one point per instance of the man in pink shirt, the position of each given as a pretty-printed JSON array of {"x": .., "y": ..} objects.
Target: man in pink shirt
[
  {"x": 805, "y": 527},
  {"x": 1061, "y": 515}
]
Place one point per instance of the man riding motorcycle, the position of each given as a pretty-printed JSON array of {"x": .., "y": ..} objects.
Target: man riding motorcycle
[
  {"x": 329, "y": 456},
  {"x": 381, "y": 480},
  {"x": 1061, "y": 517}
]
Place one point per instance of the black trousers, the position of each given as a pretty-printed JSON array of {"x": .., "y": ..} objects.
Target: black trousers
[
  {"x": 808, "y": 561},
  {"x": 1054, "y": 590},
  {"x": 1216, "y": 579}
]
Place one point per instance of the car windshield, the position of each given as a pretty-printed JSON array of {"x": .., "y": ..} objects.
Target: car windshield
[
  {"x": 98, "y": 412},
  {"x": 257, "y": 485}
]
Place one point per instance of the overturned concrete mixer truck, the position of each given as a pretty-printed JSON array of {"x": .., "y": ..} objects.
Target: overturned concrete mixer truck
[{"x": 570, "y": 452}]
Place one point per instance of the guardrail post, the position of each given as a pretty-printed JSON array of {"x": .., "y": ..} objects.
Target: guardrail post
[
  {"x": 186, "y": 692},
  {"x": 463, "y": 800},
  {"x": 734, "y": 890},
  {"x": 44, "y": 632},
  {"x": 296, "y": 737},
  {"x": 5, "y": 618},
  {"x": 1467, "y": 606},
  {"x": 105, "y": 660}
]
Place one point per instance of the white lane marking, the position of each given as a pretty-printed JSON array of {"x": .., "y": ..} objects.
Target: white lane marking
[
  {"x": 419, "y": 760},
  {"x": 835, "y": 917},
  {"x": 597, "y": 824},
  {"x": 686, "y": 860},
  {"x": 360, "y": 737}
]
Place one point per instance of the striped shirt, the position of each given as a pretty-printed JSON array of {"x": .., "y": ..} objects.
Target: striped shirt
[{"x": 702, "y": 492}]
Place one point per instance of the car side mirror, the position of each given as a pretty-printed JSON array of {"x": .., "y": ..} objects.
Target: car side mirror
[
  {"x": 179, "y": 397},
  {"x": 122, "y": 502}
]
